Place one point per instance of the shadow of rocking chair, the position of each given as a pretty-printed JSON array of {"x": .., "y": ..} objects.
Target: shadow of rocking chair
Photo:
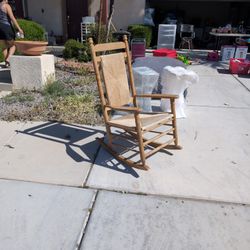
[{"x": 117, "y": 93}]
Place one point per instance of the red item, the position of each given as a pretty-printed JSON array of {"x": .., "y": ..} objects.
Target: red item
[
  {"x": 165, "y": 52},
  {"x": 239, "y": 66},
  {"x": 138, "y": 47},
  {"x": 138, "y": 50},
  {"x": 213, "y": 56}
]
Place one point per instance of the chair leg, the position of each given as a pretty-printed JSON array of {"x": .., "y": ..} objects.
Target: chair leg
[
  {"x": 109, "y": 134},
  {"x": 141, "y": 148},
  {"x": 140, "y": 141},
  {"x": 174, "y": 125}
]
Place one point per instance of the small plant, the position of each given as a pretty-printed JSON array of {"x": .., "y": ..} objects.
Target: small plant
[
  {"x": 32, "y": 30},
  {"x": 76, "y": 50},
  {"x": 184, "y": 59},
  {"x": 18, "y": 96},
  {"x": 56, "y": 89},
  {"x": 141, "y": 31}
]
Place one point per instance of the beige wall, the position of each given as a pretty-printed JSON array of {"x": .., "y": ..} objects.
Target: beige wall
[
  {"x": 94, "y": 6},
  {"x": 52, "y": 18},
  {"x": 128, "y": 12}
]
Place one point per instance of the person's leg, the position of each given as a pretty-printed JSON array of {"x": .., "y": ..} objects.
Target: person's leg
[
  {"x": 11, "y": 50},
  {"x": 5, "y": 53},
  {"x": 4, "y": 49}
]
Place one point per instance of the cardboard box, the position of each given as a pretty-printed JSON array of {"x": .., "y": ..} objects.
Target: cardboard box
[
  {"x": 227, "y": 52},
  {"x": 241, "y": 52}
]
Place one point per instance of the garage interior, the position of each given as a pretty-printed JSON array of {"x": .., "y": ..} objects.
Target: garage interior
[{"x": 204, "y": 15}]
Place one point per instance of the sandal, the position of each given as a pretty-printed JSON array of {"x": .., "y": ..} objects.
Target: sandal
[{"x": 7, "y": 64}]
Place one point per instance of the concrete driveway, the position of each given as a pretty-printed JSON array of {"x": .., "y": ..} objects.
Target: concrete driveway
[{"x": 59, "y": 190}]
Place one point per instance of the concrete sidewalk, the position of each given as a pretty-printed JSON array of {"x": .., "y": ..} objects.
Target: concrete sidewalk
[{"x": 59, "y": 190}]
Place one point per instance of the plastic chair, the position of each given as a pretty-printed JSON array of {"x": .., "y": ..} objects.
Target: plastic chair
[
  {"x": 150, "y": 132},
  {"x": 187, "y": 35},
  {"x": 166, "y": 36}
]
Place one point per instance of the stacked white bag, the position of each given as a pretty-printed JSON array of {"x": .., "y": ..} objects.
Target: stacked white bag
[{"x": 175, "y": 80}]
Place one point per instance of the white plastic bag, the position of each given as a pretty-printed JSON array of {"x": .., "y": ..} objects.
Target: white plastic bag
[
  {"x": 175, "y": 80},
  {"x": 145, "y": 81},
  {"x": 148, "y": 17}
]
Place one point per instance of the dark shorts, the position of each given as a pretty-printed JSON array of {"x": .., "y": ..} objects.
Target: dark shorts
[{"x": 6, "y": 32}]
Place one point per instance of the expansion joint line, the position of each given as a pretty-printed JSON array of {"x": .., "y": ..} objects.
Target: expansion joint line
[
  {"x": 91, "y": 167},
  {"x": 86, "y": 221},
  {"x": 241, "y": 83}
]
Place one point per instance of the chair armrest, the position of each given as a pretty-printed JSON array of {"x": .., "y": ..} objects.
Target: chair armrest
[
  {"x": 159, "y": 96},
  {"x": 121, "y": 108}
]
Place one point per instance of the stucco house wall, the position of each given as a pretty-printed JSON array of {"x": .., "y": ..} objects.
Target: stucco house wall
[
  {"x": 94, "y": 6},
  {"x": 48, "y": 13},
  {"x": 128, "y": 12},
  {"x": 51, "y": 13}
]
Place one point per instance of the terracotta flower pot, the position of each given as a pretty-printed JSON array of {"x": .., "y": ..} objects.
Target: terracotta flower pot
[{"x": 31, "y": 48}]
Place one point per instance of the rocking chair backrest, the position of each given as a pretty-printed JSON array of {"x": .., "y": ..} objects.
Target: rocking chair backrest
[
  {"x": 115, "y": 79},
  {"x": 111, "y": 74}
]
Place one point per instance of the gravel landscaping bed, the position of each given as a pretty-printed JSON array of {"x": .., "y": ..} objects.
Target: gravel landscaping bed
[{"x": 73, "y": 98}]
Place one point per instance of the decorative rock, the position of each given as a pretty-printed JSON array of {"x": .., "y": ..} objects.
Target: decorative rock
[
  {"x": 32, "y": 72},
  {"x": 145, "y": 81}
]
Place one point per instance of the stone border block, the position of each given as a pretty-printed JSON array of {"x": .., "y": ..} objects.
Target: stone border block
[{"x": 32, "y": 72}]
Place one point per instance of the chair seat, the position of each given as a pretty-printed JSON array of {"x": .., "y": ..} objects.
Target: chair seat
[
  {"x": 187, "y": 38},
  {"x": 147, "y": 120}
]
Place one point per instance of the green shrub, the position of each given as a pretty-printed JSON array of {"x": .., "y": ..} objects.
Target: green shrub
[
  {"x": 141, "y": 31},
  {"x": 32, "y": 30},
  {"x": 77, "y": 50}
]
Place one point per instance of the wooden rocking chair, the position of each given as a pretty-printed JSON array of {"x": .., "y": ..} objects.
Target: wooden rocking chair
[{"x": 117, "y": 92}]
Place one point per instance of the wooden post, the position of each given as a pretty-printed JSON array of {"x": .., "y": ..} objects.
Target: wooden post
[
  {"x": 112, "y": 9},
  {"x": 100, "y": 22},
  {"x": 172, "y": 102}
]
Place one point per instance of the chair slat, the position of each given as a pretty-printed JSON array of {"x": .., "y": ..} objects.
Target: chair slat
[
  {"x": 158, "y": 136},
  {"x": 159, "y": 147},
  {"x": 98, "y": 58},
  {"x": 109, "y": 46},
  {"x": 116, "y": 79},
  {"x": 157, "y": 124}
]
